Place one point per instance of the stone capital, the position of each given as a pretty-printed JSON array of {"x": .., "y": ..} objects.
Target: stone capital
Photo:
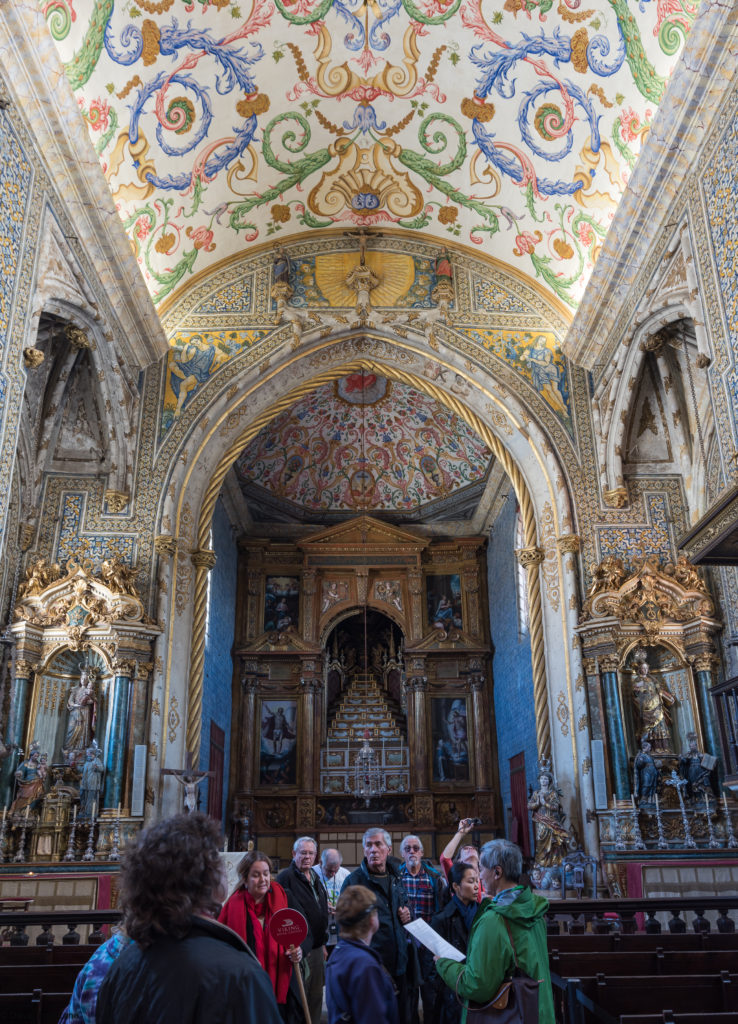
[
  {"x": 116, "y": 500},
  {"x": 529, "y": 558},
  {"x": 616, "y": 498},
  {"x": 310, "y": 684},
  {"x": 203, "y": 558},
  {"x": 418, "y": 684},
  {"x": 704, "y": 662},
  {"x": 165, "y": 545},
  {"x": 23, "y": 669},
  {"x": 569, "y": 543},
  {"x": 609, "y": 663}
]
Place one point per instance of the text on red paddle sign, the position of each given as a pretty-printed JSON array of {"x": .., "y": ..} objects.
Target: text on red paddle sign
[{"x": 288, "y": 927}]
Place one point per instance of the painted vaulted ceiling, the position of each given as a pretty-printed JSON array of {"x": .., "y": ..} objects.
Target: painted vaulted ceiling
[
  {"x": 511, "y": 125},
  {"x": 364, "y": 442}
]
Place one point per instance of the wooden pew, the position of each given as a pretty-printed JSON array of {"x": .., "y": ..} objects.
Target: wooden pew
[
  {"x": 679, "y": 1018},
  {"x": 36, "y": 1007},
  {"x": 629, "y": 962},
  {"x": 609, "y": 998},
  {"x": 640, "y": 941},
  {"x": 48, "y": 977},
  {"x": 55, "y": 954}
]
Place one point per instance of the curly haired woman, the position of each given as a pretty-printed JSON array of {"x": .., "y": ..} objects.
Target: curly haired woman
[{"x": 182, "y": 966}]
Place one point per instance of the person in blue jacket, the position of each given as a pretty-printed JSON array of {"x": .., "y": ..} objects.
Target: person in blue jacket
[{"x": 359, "y": 987}]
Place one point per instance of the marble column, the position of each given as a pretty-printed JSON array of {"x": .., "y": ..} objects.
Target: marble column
[
  {"x": 481, "y": 743},
  {"x": 417, "y": 687},
  {"x": 247, "y": 739},
  {"x": 615, "y": 731},
  {"x": 19, "y": 700},
  {"x": 703, "y": 684},
  {"x": 115, "y": 755},
  {"x": 309, "y": 726}
]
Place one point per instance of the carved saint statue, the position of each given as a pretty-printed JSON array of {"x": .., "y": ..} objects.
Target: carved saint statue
[
  {"x": 552, "y": 836},
  {"x": 91, "y": 782},
  {"x": 646, "y": 775},
  {"x": 82, "y": 708},
  {"x": 696, "y": 767},
  {"x": 30, "y": 779},
  {"x": 651, "y": 701}
]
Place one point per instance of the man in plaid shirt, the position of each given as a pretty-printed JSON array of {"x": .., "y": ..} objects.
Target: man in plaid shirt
[{"x": 424, "y": 886}]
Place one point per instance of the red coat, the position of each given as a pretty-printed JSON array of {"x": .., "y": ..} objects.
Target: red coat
[{"x": 239, "y": 913}]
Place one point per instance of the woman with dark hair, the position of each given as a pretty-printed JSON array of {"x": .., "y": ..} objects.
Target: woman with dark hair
[
  {"x": 182, "y": 966},
  {"x": 358, "y": 986},
  {"x": 248, "y": 912},
  {"x": 454, "y": 924}
]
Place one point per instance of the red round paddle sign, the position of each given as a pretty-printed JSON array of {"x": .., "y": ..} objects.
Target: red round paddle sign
[{"x": 288, "y": 927}]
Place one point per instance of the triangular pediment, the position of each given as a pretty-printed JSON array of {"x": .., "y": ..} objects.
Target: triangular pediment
[
  {"x": 283, "y": 641},
  {"x": 444, "y": 640},
  {"x": 364, "y": 532}
]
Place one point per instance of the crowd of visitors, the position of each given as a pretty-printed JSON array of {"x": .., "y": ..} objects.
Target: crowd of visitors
[{"x": 188, "y": 952}]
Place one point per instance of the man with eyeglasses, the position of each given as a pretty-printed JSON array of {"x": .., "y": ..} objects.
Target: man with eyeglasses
[{"x": 424, "y": 886}]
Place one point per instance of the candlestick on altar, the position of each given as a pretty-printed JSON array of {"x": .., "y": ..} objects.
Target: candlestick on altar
[
  {"x": 89, "y": 853},
  {"x": 3, "y": 840},
  {"x": 115, "y": 847},
  {"x": 638, "y": 843},
  {"x": 663, "y": 844},
  {"x": 678, "y": 784},
  {"x": 713, "y": 843},
  {"x": 731, "y": 840},
  {"x": 20, "y": 855},
  {"x": 69, "y": 855}
]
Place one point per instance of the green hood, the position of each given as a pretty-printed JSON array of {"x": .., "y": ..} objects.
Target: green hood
[{"x": 525, "y": 910}]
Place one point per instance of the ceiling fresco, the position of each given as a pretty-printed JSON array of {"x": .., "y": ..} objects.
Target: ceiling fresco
[
  {"x": 512, "y": 125},
  {"x": 363, "y": 442}
]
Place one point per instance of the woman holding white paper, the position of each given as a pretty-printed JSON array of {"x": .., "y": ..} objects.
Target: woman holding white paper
[{"x": 454, "y": 923}]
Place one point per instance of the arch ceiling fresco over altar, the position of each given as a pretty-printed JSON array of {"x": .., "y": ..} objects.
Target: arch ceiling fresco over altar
[
  {"x": 365, "y": 442},
  {"x": 511, "y": 126}
]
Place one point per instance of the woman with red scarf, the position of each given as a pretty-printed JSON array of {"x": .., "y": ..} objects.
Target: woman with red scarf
[{"x": 248, "y": 912}]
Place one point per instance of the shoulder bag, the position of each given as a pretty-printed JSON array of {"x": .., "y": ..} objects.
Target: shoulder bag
[{"x": 515, "y": 1002}]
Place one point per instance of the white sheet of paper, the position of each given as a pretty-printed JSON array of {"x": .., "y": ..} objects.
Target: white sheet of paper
[{"x": 423, "y": 932}]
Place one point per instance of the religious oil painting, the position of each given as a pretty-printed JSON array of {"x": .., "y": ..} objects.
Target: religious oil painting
[
  {"x": 281, "y": 603},
  {"x": 450, "y": 739},
  {"x": 278, "y": 742},
  {"x": 443, "y": 595}
]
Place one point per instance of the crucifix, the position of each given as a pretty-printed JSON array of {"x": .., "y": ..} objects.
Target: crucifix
[{"x": 189, "y": 779}]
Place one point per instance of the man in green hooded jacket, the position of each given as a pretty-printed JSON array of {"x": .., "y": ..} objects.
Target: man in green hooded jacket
[{"x": 489, "y": 959}]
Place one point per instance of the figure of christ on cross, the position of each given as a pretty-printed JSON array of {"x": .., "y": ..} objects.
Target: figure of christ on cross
[{"x": 189, "y": 779}]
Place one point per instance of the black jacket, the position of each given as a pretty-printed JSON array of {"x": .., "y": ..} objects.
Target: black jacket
[
  {"x": 209, "y": 977},
  {"x": 450, "y": 924},
  {"x": 390, "y": 940},
  {"x": 301, "y": 896}
]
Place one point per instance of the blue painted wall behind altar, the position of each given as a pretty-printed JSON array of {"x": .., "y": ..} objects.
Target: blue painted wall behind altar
[
  {"x": 511, "y": 664},
  {"x": 216, "y": 700}
]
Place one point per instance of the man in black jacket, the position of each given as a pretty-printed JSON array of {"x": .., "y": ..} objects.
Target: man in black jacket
[
  {"x": 310, "y": 898},
  {"x": 377, "y": 873}
]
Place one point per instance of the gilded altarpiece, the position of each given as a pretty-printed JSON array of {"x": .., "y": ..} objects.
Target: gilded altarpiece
[
  {"x": 648, "y": 639},
  {"x": 82, "y": 664},
  {"x": 362, "y": 660}
]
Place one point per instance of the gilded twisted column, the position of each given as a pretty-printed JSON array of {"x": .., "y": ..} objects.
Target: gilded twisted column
[
  {"x": 530, "y": 558},
  {"x": 203, "y": 560}
]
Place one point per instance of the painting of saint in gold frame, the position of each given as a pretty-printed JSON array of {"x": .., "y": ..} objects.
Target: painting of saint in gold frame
[
  {"x": 278, "y": 742},
  {"x": 450, "y": 740},
  {"x": 443, "y": 597}
]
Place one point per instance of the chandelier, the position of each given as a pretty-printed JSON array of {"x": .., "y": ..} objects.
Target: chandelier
[{"x": 369, "y": 778}]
